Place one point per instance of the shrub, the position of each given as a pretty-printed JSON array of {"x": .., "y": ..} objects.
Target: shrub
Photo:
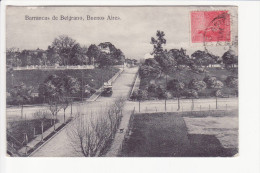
[
  {"x": 152, "y": 88},
  {"x": 147, "y": 71},
  {"x": 218, "y": 84},
  {"x": 168, "y": 95},
  {"x": 191, "y": 93},
  {"x": 210, "y": 81},
  {"x": 231, "y": 82},
  {"x": 134, "y": 95},
  {"x": 217, "y": 93},
  {"x": 197, "y": 85},
  {"x": 142, "y": 95},
  {"x": 161, "y": 92},
  {"x": 176, "y": 86}
]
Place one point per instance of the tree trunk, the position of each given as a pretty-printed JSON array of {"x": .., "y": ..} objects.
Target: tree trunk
[
  {"x": 192, "y": 104},
  {"x": 139, "y": 105},
  {"x": 71, "y": 109},
  {"x": 216, "y": 102},
  {"x": 22, "y": 112},
  {"x": 166, "y": 81},
  {"x": 165, "y": 105},
  {"x": 54, "y": 128},
  {"x": 42, "y": 131},
  {"x": 64, "y": 115},
  {"x": 178, "y": 104}
]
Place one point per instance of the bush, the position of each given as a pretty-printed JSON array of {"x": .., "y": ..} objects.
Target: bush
[
  {"x": 134, "y": 95},
  {"x": 218, "y": 84},
  {"x": 197, "y": 85},
  {"x": 17, "y": 129},
  {"x": 217, "y": 93},
  {"x": 161, "y": 92},
  {"x": 210, "y": 81},
  {"x": 142, "y": 95},
  {"x": 152, "y": 88},
  {"x": 168, "y": 95},
  {"x": 231, "y": 82},
  {"x": 191, "y": 93},
  {"x": 147, "y": 71}
]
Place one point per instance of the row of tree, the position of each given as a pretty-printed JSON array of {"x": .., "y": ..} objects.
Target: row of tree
[
  {"x": 172, "y": 62},
  {"x": 90, "y": 134},
  {"x": 57, "y": 91},
  {"x": 177, "y": 88},
  {"x": 165, "y": 61},
  {"x": 66, "y": 51}
]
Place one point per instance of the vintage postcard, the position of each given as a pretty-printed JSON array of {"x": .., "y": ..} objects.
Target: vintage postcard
[{"x": 122, "y": 81}]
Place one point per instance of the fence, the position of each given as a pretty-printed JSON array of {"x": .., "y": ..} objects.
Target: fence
[
  {"x": 54, "y": 67},
  {"x": 186, "y": 105},
  {"x": 135, "y": 85}
]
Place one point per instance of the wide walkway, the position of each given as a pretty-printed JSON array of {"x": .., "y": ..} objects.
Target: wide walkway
[{"x": 60, "y": 145}]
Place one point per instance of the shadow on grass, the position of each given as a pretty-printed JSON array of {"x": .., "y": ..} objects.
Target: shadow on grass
[{"x": 208, "y": 146}]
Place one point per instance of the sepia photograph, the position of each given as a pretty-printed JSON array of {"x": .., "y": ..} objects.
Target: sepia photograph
[{"x": 122, "y": 81}]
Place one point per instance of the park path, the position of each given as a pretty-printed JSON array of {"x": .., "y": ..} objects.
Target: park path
[
  {"x": 60, "y": 145},
  {"x": 119, "y": 137},
  {"x": 35, "y": 141}
]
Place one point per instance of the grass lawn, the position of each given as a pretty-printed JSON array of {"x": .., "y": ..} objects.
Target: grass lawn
[
  {"x": 16, "y": 130},
  {"x": 166, "y": 135},
  {"x": 93, "y": 77},
  {"x": 186, "y": 75}
]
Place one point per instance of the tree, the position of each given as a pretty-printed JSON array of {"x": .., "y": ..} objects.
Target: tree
[
  {"x": 161, "y": 92},
  {"x": 217, "y": 93},
  {"x": 166, "y": 62},
  {"x": 141, "y": 95},
  {"x": 210, "y": 81},
  {"x": 114, "y": 114},
  {"x": 78, "y": 55},
  {"x": 177, "y": 87},
  {"x": 179, "y": 56},
  {"x": 26, "y": 58},
  {"x": 53, "y": 90},
  {"x": 232, "y": 82},
  {"x": 158, "y": 42},
  {"x": 116, "y": 55},
  {"x": 229, "y": 58},
  {"x": 93, "y": 54},
  {"x": 192, "y": 93},
  {"x": 71, "y": 87},
  {"x": 44, "y": 58},
  {"x": 88, "y": 135},
  {"x": 203, "y": 58},
  {"x": 13, "y": 57},
  {"x": 52, "y": 56},
  {"x": 197, "y": 85},
  {"x": 63, "y": 45},
  {"x": 42, "y": 116},
  {"x": 21, "y": 94},
  {"x": 147, "y": 71},
  {"x": 105, "y": 60}
]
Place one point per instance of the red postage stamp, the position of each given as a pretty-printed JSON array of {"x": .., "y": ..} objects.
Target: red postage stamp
[{"x": 210, "y": 26}]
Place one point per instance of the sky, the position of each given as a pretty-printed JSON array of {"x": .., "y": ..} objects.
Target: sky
[{"x": 132, "y": 33}]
